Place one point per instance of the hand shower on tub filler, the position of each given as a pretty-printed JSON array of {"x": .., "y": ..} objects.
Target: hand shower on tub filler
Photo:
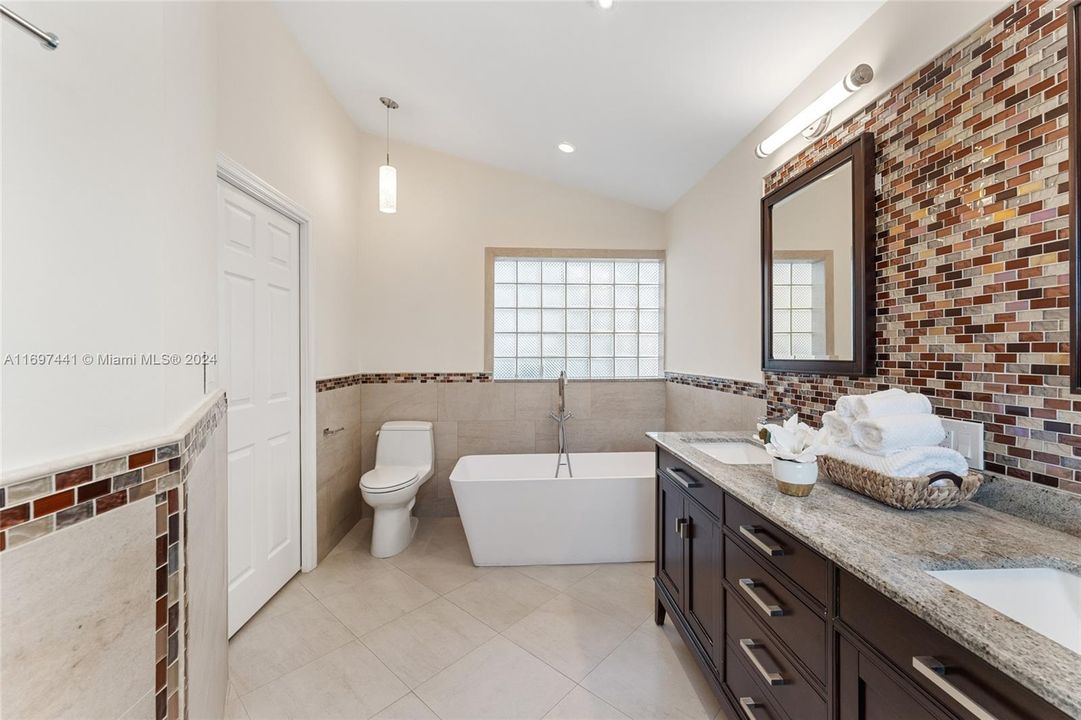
[{"x": 561, "y": 418}]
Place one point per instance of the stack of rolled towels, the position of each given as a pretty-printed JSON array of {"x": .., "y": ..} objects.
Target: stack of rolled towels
[{"x": 892, "y": 432}]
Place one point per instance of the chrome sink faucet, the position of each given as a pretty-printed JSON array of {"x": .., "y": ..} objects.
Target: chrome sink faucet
[{"x": 562, "y": 417}]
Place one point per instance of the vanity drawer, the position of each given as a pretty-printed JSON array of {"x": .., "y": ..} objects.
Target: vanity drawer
[
  {"x": 752, "y": 701},
  {"x": 782, "y": 551},
  {"x": 915, "y": 648},
  {"x": 802, "y": 629},
  {"x": 760, "y": 653},
  {"x": 702, "y": 489}
]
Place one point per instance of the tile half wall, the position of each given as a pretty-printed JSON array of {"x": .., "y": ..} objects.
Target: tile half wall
[{"x": 472, "y": 415}]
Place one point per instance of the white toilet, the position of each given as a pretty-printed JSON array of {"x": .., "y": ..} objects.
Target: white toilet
[{"x": 404, "y": 456}]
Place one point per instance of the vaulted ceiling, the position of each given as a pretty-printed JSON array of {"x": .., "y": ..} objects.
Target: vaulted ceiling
[{"x": 651, "y": 94}]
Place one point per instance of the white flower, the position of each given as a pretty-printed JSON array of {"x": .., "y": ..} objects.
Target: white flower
[{"x": 795, "y": 441}]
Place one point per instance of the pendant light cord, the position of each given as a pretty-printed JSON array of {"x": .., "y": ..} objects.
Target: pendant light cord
[{"x": 388, "y": 135}]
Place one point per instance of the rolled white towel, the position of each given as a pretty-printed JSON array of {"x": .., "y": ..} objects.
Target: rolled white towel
[
  {"x": 886, "y": 435},
  {"x": 848, "y": 406},
  {"x": 913, "y": 462},
  {"x": 891, "y": 402},
  {"x": 840, "y": 428}
]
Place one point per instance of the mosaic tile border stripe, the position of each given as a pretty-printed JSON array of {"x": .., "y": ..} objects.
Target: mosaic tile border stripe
[
  {"x": 31, "y": 509},
  {"x": 971, "y": 257},
  {"x": 344, "y": 381},
  {"x": 720, "y": 384}
]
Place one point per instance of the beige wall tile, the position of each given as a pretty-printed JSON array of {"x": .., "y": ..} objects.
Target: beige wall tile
[
  {"x": 208, "y": 595},
  {"x": 477, "y": 401},
  {"x": 339, "y": 462},
  {"x": 533, "y": 401},
  {"x": 690, "y": 408},
  {"x": 446, "y": 439},
  {"x": 398, "y": 401},
  {"x": 89, "y": 620},
  {"x": 645, "y": 399},
  {"x": 597, "y": 435},
  {"x": 494, "y": 437}
]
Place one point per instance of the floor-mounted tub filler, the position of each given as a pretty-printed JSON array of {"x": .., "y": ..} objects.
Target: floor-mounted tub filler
[{"x": 516, "y": 512}]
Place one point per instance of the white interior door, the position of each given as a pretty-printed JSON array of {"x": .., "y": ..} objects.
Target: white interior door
[{"x": 260, "y": 371}]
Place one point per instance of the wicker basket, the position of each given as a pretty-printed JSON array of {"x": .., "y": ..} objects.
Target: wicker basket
[{"x": 904, "y": 493}]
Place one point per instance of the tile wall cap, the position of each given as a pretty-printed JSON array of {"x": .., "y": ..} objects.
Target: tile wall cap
[{"x": 90, "y": 458}]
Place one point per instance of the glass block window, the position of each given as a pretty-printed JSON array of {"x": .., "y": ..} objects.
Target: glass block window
[
  {"x": 798, "y": 321},
  {"x": 591, "y": 318}
]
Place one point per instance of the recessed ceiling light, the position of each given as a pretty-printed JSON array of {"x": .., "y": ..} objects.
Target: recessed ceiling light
[
  {"x": 605, "y": 4},
  {"x": 566, "y": 147}
]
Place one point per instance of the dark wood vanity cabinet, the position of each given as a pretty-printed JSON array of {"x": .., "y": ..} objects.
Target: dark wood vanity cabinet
[
  {"x": 688, "y": 565},
  {"x": 782, "y": 633}
]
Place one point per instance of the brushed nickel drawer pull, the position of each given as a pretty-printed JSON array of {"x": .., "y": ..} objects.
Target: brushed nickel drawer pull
[
  {"x": 773, "y": 678},
  {"x": 682, "y": 478},
  {"x": 751, "y": 533},
  {"x": 935, "y": 671},
  {"x": 746, "y": 704},
  {"x": 681, "y": 527},
  {"x": 748, "y": 585}
]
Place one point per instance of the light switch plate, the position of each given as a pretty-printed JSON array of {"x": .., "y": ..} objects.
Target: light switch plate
[{"x": 967, "y": 439}]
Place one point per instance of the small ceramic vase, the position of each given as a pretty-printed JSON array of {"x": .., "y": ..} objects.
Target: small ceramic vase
[{"x": 795, "y": 478}]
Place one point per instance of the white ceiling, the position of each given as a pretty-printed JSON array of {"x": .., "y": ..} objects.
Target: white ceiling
[{"x": 652, "y": 94}]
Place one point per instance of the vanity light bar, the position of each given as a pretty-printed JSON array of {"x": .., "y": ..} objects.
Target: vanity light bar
[{"x": 825, "y": 103}]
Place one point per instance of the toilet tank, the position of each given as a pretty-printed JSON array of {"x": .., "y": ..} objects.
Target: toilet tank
[{"x": 405, "y": 442}]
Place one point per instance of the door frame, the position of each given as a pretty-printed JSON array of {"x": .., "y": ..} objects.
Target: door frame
[{"x": 254, "y": 186}]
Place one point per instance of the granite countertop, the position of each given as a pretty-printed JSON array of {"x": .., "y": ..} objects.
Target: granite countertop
[{"x": 890, "y": 549}]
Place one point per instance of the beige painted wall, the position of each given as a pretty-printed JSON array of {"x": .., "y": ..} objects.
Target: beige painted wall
[
  {"x": 277, "y": 118},
  {"x": 713, "y": 231},
  {"x": 421, "y": 277},
  {"x": 108, "y": 233}
]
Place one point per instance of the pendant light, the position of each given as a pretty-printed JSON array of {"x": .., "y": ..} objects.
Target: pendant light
[{"x": 388, "y": 175}]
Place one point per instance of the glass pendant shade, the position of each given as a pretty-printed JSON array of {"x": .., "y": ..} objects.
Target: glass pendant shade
[{"x": 388, "y": 189}]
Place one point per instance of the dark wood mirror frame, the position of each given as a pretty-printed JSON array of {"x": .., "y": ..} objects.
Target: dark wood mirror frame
[
  {"x": 861, "y": 152},
  {"x": 1073, "y": 67}
]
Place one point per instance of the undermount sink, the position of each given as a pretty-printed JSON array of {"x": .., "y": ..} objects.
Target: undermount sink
[
  {"x": 1044, "y": 599},
  {"x": 734, "y": 452}
]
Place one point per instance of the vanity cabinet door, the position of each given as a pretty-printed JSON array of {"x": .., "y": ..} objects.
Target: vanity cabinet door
[
  {"x": 671, "y": 521},
  {"x": 702, "y": 596},
  {"x": 867, "y": 691}
]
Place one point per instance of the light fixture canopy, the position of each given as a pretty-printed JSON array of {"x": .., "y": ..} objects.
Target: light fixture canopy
[
  {"x": 565, "y": 147},
  {"x": 388, "y": 174},
  {"x": 817, "y": 111},
  {"x": 605, "y": 4}
]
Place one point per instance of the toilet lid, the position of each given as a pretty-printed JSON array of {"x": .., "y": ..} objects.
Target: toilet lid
[{"x": 387, "y": 478}]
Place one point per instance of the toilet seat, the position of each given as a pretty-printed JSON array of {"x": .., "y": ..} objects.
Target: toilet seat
[{"x": 388, "y": 478}]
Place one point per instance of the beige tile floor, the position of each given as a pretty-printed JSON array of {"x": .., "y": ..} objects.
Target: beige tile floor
[{"x": 427, "y": 635}]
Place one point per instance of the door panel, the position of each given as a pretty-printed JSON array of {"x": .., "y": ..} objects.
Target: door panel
[
  {"x": 260, "y": 368},
  {"x": 868, "y": 692},
  {"x": 702, "y": 587},
  {"x": 670, "y": 568}
]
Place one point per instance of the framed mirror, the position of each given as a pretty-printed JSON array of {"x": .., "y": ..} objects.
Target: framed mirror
[{"x": 818, "y": 267}]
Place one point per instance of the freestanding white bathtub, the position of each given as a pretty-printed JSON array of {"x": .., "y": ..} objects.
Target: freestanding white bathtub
[{"x": 516, "y": 512}]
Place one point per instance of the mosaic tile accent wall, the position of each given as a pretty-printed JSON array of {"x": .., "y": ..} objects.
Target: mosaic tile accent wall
[
  {"x": 971, "y": 253},
  {"x": 33, "y": 508}
]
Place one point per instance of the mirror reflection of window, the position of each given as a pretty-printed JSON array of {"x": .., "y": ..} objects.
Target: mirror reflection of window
[{"x": 800, "y": 327}]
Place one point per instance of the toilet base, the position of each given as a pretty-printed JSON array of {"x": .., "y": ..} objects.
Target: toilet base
[{"x": 393, "y": 529}]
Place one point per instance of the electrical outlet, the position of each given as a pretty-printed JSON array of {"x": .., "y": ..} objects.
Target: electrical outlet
[{"x": 967, "y": 439}]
